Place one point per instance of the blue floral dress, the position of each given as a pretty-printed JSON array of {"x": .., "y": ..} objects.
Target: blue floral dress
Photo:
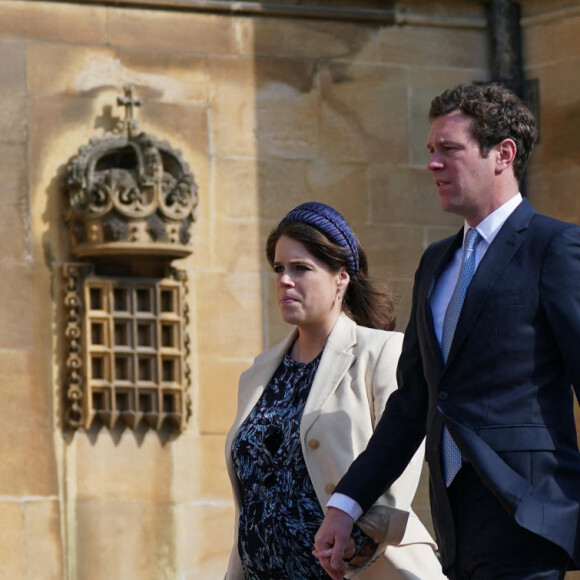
[{"x": 280, "y": 513}]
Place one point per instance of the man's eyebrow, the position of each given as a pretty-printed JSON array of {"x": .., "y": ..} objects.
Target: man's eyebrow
[{"x": 442, "y": 141}]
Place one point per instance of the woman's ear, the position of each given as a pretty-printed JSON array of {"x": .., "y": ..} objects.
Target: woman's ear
[{"x": 343, "y": 280}]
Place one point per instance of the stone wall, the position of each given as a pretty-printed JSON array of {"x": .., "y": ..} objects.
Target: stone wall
[{"x": 268, "y": 112}]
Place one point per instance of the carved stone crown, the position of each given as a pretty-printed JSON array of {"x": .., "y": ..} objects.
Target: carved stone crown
[{"x": 130, "y": 194}]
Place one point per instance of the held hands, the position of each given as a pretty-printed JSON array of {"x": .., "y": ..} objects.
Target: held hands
[{"x": 333, "y": 543}]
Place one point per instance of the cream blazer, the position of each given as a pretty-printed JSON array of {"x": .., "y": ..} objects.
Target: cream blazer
[{"x": 355, "y": 377}]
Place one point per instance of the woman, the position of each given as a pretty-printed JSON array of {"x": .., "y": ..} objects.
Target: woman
[{"x": 307, "y": 407}]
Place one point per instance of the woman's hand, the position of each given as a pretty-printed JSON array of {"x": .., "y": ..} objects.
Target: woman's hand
[{"x": 333, "y": 543}]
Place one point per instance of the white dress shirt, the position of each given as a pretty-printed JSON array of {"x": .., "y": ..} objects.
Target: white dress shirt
[{"x": 440, "y": 297}]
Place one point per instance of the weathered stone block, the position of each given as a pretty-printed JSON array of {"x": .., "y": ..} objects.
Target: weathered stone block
[
  {"x": 200, "y": 471},
  {"x": 552, "y": 41},
  {"x": 392, "y": 250},
  {"x": 364, "y": 113},
  {"x": 211, "y": 480},
  {"x": 440, "y": 14},
  {"x": 53, "y": 21},
  {"x": 216, "y": 404},
  {"x": 12, "y": 68},
  {"x": 264, "y": 107},
  {"x": 43, "y": 542},
  {"x": 539, "y": 8},
  {"x": 550, "y": 193},
  {"x": 26, "y": 393},
  {"x": 405, "y": 196},
  {"x": 308, "y": 39},
  {"x": 123, "y": 468},
  {"x": 177, "y": 77},
  {"x": 281, "y": 184},
  {"x": 229, "y": 314},
  {"x": 172, "y": 30},
  {"x": 151, "y": 553},
  {"x": 233, "y": 106},
  {"x": 24, "y": 311},
  {"x": 13, "y": 124},
  {"x": 238, "y": 247},
  {"x": 236, "y": 185},
  {"x": 433, "y": 46},
  {"x": 28, "y": 465},
  {"x": 559, "y": 116},
  {"x": 13, "y": 166},
  {"x": 14, "y": 227},
  {"x": 203, "y": 556},
  {"x": 185, "y": 126},
  {"x": 342, "y": 185},
  {"x": 11, "y": 541},
  {"x": 63, "y": 68}
]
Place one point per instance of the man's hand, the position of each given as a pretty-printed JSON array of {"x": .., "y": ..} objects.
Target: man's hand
[{"x": 331, "y": 540}]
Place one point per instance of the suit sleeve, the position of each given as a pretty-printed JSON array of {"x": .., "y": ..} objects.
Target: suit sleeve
[
  {"x": 400, "y": 430},
  {"x": 401, "y": 493}
]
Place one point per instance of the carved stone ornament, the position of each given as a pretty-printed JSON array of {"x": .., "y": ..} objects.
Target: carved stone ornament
[
  {"x": 130, "y": 193},
  {"x": 127, "y": 350}
]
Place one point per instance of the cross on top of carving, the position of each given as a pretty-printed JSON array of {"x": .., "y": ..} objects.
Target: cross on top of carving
[{"x": 129, "y": 103}]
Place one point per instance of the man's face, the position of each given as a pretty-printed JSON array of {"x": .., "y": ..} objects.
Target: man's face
[{"x": 464, "y": 178}]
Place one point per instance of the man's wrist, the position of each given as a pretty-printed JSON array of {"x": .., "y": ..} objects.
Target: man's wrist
[{"x": 345, "y": 504}]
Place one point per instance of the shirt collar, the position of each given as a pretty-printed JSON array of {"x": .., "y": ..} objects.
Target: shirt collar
[{"x": 490, "y": 226}]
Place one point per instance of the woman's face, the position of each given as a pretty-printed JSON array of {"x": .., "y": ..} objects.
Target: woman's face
[{"x": 306, "y": 288}]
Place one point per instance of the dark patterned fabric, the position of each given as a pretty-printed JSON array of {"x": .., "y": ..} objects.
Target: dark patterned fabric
[{"x": 280, "y": 513}]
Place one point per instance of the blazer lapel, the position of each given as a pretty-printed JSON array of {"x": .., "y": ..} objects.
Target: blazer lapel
[
  {"x": 252, "y": 385},
  {"x": 489, "y": 271},
  {"x": 336, "y": 359},
  {"x": 254, "y": 381}
]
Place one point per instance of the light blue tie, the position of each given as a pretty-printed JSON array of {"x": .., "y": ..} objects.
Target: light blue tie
[{"x": 451, "y": 453}]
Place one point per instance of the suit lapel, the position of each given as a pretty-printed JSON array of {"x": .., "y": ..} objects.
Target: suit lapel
[
  {"x": 447, "y": 255},
  {"x": 438, "y": 263},
  {"x": 334, "y": 363},
  {"x": 492, "y": 266}
]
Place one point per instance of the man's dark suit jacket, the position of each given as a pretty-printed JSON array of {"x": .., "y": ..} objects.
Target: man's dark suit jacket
[{"x": 506, "y": 391}]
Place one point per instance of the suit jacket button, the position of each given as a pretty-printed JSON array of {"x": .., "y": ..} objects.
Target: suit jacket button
[
  {"x": 329, "y": 488},
  {"x": 443, "y": 395},
  {"x": 313, "y": 444}
]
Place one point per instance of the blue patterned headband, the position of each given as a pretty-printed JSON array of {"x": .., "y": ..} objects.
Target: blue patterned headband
[{"x": 331, "y": 224}]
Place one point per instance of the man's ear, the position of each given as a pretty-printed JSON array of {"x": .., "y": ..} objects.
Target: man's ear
[{"x": 505, "y": 154}]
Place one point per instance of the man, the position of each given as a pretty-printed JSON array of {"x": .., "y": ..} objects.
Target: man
[{"x": 489, "y": 363}]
